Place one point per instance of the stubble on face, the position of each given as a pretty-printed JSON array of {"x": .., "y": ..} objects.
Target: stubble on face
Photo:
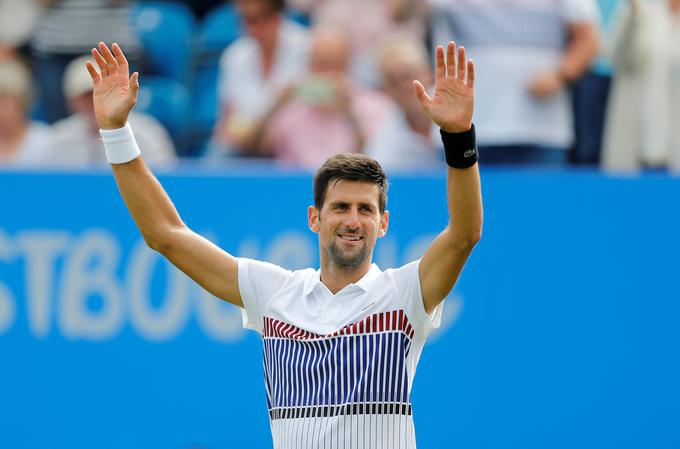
[{"x": 348, "y": 260}]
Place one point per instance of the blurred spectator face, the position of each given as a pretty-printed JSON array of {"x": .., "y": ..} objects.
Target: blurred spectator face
[
  {"x": 14, "y": 93},
  {"x": 398, "y": 73},
  {"x": 260, "y": 19},
  {"x": 82, "y": 104},
  {"x": 78, "y": 89},
  {"x": 330, "y": 53}
]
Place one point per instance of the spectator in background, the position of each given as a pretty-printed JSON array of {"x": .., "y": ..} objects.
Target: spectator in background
[
  {"x": 75, "y": 140},
  {"x": 407, "y": 140},
  {"x": 591, "y": 92},
  {"x": 255, "y": 68},
  {"x": 527, "y": 53},
  {"x": 22, "y": 142},
  {"x": 643, "y": 124},
  {"x": 70, "y": 28},
  {"x": 323, "y": 114},
  {"x": 368, "y": 23},
  {"x": 17, "y": 18}
]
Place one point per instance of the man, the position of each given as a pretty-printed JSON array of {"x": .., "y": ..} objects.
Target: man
[
  {"x": 272, "y": 54},
  {"x": 644, "y": 107},
  {"x": 407, "y": 140},
  {"x": 22, "y": 141},
  {"x": 65, "y": 29},
  {"x": 74, "y": 140},
  {"x": 324, "y": 113},
  {"x": 341, "y": 344},
  {"x": 540, "y": 47}
]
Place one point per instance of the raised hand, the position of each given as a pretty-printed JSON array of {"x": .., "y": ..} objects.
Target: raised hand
[
  {"x": 452, "y": 104},
  {"x": 115, "y": 91}
]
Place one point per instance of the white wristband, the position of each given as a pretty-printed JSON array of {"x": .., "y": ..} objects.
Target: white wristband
[{"x": 120, "y": 144}]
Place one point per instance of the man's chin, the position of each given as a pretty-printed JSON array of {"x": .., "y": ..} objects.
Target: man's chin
[{"x": 348, "y": 258}]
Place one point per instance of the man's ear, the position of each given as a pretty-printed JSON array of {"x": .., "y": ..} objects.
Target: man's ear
[
  {"x": 384, "y": 221},
  {"x": 313, "y": 218}
]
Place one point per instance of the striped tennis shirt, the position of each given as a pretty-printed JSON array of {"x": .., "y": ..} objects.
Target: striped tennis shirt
[{"x": 338, "y": 369}]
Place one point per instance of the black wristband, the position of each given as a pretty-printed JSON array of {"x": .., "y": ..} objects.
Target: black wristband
[{"x": 460, "y": 148}]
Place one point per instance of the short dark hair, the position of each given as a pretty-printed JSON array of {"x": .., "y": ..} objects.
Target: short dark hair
[
  {"x": 276, "y": 5},
  {"x": 350, "y": 167}
]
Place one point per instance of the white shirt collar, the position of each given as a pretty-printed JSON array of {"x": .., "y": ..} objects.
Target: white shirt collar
[{"x": 315, "y": 281}]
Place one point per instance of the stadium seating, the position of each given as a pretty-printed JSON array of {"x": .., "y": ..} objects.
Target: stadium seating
[
  {"x": 166, "y": 30},
  {"x": 168, "y": 101},
  {"x": 179, "y": 48},
  {"x": 220, "y": 28}
]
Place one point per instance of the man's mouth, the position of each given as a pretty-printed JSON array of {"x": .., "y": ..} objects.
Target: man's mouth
[{"x": 350, "y": 238}]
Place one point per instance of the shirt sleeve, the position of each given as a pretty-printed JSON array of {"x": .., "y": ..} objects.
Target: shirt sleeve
[
  {"x": 580, "y": 11},
  {"x": 225, "y": 75},
  {"x": 407, "y": 281},
  {"x": 258, "y": 282}
]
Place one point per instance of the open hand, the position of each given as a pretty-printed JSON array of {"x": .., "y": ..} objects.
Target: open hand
[
  {"x": 452, "y": 104},
  {"x": 115, "y": 91}
]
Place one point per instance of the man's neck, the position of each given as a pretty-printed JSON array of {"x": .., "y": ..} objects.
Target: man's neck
[{"x": 336, "y": 278}]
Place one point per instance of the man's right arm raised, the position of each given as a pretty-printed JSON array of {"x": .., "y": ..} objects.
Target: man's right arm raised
[{"x": 115, "y": 94}]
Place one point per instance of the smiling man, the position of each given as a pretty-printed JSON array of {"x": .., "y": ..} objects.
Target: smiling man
[{"x": 341, "y": 343}]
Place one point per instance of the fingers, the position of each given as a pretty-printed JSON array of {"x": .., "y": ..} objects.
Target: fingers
[
  {"x": 422, "y": 95},
  {"x": 462, "y": 64},
  {"x": 471, "y": 74},
  {"x": 454, "y": 66},
  {"x": 441, "y": 65},
  {"x": 451, "y": 59},
  {"x": 134, "y": 84},
  {"x": 103, "y": 68},
  {"x": 108, "y": 56},
  {"x": 118, "y": 53},
  {"x": 96, "y": 78},
  {"x": 107, "y": 61}
]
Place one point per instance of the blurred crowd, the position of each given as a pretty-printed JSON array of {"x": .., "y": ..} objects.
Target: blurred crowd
[{"x": 559, "y": 82}]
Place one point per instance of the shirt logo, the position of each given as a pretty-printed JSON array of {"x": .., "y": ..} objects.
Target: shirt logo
[{"x": 367, "y": 307}]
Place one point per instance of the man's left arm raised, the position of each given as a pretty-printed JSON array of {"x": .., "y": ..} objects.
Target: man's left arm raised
[{"x": 451, "y": 108}]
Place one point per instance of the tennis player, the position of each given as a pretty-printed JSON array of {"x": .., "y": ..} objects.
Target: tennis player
[{"x": 341, "y": 344}]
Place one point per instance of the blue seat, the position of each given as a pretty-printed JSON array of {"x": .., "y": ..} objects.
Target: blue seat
[
  {"x": 219, "y": 28},
  {"x": 166, "y": 31},
  {"x": 205, "y": 98},
  {"x": 166, "y": 100}
]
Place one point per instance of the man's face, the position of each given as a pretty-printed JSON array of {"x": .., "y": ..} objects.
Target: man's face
[
  {"x": 330, "y": 54},
  {"x": 259, "y": 19},
  {"x": 349, "y": 223},
  {"x": 398, "y": 81}
]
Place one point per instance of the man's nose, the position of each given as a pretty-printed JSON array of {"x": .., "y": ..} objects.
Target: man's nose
[{"x": 353, "y": 219}]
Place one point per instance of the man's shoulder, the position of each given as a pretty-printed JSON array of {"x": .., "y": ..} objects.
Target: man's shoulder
[
  {"x": 263, "y": 267},
  {"x": 241, "y": 49},
  {"x": 68, "y": 125},
  {"x": 404, "y": 270},
  {"x": 295, "y": 33},
  {"x": 143, "y": 122}
]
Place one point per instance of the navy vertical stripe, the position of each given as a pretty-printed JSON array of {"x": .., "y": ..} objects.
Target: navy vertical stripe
[{"x": 348, "y": 389}]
